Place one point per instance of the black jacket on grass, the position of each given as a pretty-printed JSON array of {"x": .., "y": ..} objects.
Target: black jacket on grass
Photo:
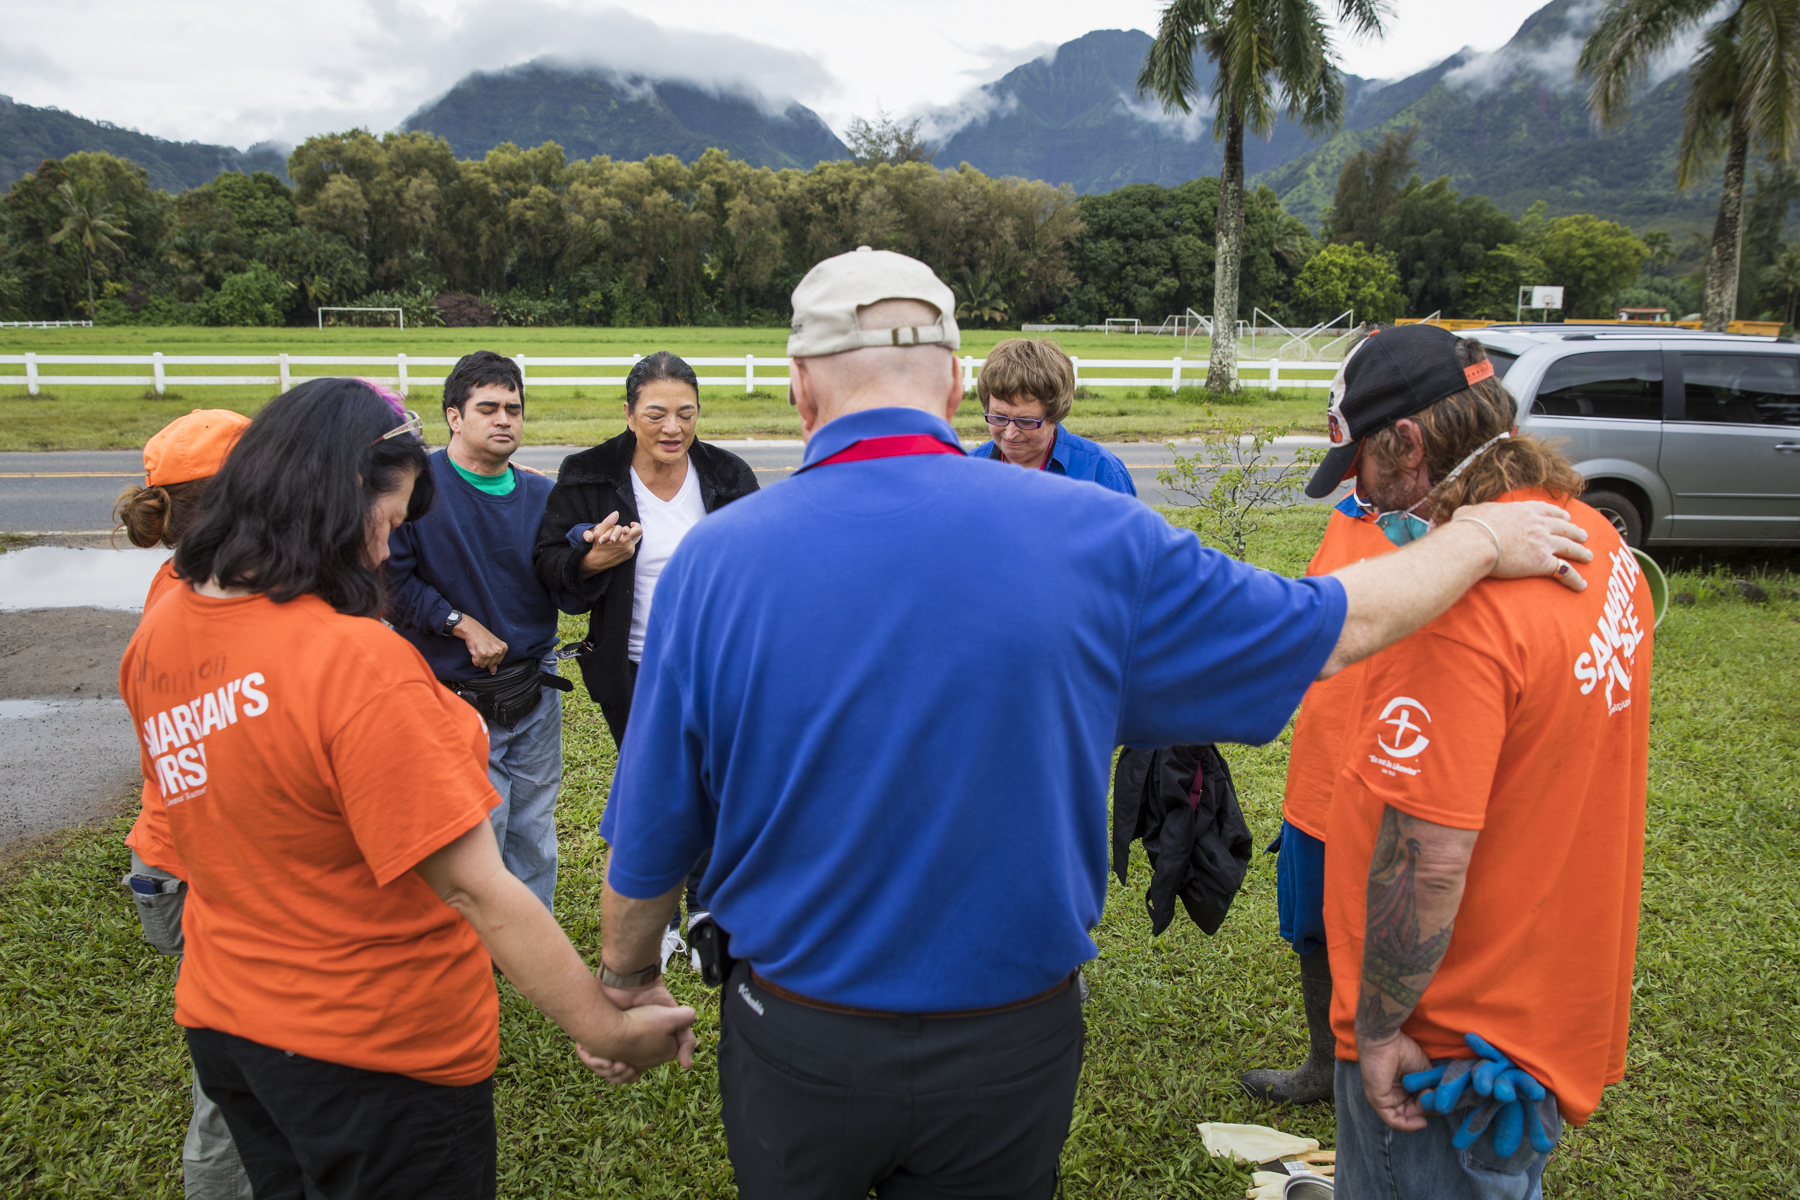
[{"x": 589, "y": 486}]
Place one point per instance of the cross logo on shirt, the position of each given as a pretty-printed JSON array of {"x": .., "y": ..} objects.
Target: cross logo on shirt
[{"x": 1403, "y": 724}]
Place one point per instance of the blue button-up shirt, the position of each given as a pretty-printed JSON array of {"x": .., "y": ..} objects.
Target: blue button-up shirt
[
  {"x": 1078, "y": 458},
  {"x": 893, "y": 717}
]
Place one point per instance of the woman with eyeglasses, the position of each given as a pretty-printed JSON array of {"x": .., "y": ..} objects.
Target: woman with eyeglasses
[
  {"x": 1027, "y": 388},
  {"x": 615, "y": 516},
  {"x": 330, "y": 799}
]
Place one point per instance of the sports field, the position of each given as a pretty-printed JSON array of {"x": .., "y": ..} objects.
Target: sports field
[
  {"x": 110, "y": 418},
  {"x": 93, "y": 1083}
]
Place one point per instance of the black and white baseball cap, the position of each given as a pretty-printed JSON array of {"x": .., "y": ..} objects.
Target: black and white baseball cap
[{"x": 1390, "y": 374}]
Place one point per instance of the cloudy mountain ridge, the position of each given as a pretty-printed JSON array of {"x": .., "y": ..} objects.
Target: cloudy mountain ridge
[
  {"x": 1513, "y": 125},
  {"x": 597, "y": 110},
  {"x": 29, "y": 135},
  {"x": 1075, "y": 117}
]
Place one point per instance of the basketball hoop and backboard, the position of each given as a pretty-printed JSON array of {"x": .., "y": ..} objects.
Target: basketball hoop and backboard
[{"x": 1538, "y": 297}]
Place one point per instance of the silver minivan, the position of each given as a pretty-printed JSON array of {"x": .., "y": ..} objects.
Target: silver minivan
[{"x": 1683, "y": 437}]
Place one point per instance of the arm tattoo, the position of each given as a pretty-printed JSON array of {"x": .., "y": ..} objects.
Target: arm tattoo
[{"x": 1399, "y": 959}]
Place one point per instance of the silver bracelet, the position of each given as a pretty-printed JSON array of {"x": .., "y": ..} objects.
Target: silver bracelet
[{"x": 1490, "y": 533}]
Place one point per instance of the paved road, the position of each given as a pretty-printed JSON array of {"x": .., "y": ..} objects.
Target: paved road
[
  {"x": 65, "y": 736},
  {"x": 72, "y": 491},
  {"x": 49, "y": 786}
]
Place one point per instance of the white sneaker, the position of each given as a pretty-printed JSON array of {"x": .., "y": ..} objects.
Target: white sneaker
[
  {"x": 672, "y": 945},
  {"x": 694, "y": 955}
]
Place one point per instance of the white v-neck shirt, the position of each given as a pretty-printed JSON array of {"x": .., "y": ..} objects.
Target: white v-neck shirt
[{"x": 665, "y": 523}]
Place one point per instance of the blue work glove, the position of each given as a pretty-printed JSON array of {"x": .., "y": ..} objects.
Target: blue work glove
[
  {"x": 1509, "y": 1099},
  {"x": 1423, "y": 1081},
  {"x": 1542, "y": 1142}
]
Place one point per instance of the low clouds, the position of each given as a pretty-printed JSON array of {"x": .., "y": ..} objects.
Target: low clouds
[
  {"x": 1189, "y": 126},
  {"x": 1552, "y": 61},
  {"x": 226, "y": 71},
  {"x": 937, "y": 125},
  {"x": 238, "y": 74},
  {"x": 497, "y": 33}
]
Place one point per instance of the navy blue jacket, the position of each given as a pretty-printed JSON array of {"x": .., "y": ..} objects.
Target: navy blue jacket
[{"x": 471, "y": 552}]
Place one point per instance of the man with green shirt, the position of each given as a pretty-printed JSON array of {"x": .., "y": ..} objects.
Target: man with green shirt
[{"x": 461, "y": 588}]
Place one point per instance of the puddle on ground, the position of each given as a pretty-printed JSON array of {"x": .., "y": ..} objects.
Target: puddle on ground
[
  {"x": 61, "y": 577},
  {"x": 14, "y": 710}
]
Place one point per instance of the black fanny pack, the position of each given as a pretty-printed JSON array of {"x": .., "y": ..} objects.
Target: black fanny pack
[
  {"x": 507, "y": 697},
  {"x": 713, "y": 945}
]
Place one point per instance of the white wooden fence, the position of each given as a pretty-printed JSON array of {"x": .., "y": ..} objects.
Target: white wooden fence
[{"x": 410, "y": 371}]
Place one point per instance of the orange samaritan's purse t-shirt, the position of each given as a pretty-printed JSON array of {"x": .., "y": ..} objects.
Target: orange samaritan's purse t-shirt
[
  {"x": 149, "y": 834},
  {"x": 1318, "y": 744},
  {"x": 309, "y": 761},
  {"x": 1523, "y": 712}
]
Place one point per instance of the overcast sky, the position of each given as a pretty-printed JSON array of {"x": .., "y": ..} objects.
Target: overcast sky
[{"x": 237, "y": 73}]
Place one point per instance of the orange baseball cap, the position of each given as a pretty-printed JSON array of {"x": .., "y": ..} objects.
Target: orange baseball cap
[{"x": 192, "y": 447}]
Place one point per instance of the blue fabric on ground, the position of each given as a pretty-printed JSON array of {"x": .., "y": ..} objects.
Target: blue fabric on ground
[
  {"x": 1300, "y": 887},
  {"x": 1078, "y": 458},
  {"x": 471, "y": 552},
  {"x": 908, "y": 805}
]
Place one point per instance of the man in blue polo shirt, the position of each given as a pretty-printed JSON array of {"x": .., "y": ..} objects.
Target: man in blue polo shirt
[
  {"x": 1027, "y": 388},
  {"x": 830, "y": 701}
]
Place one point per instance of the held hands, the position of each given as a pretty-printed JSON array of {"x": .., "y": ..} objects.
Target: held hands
[
  {"x": 485, "y": 650},
  {"x": 1532, "y": 538},
  {"x": 652, "y": 1029},
  {"x": 609, "y": 544}
]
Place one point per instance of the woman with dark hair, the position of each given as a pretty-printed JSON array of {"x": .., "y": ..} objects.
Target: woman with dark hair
[
  {"x": 330, "y": 802},
  {"x": 616, "y": 515},
  {"x": 178, "y": 462}
]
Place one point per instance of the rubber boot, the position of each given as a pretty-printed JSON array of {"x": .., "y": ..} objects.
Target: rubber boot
[{"x": 1311, "y": 1081}]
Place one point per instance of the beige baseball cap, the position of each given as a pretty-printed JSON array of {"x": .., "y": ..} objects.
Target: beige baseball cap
[{"x": 826, "y": 302}]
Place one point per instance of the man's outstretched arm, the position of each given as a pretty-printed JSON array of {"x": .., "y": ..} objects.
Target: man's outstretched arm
[
  {"x": 1389, "y": 597},
  {"x": 1416, "y": 879}
]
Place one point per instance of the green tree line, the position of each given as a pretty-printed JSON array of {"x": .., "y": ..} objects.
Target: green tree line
[
  {"x": 1405, "y": 244},
  {"x": 526, "y": 237}
]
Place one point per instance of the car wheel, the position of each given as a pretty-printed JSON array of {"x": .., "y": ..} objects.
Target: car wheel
[{"x": 1623, "y": 514}]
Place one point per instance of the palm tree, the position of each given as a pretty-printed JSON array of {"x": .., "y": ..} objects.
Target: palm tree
[
  {"x": 91, "y": 221},
  {"x": 1268, "y": 56},
  {"x": 1784, "y": 274},
  {"x": 980, "y": 297},
  {"x": 1743, "y": 88},
  {"x": 1661, "y": 247}
]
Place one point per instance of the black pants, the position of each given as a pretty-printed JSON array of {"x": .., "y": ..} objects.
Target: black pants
[
  {"x": 826, "y": 1105},
  {"x": 311, "y": 1130}
]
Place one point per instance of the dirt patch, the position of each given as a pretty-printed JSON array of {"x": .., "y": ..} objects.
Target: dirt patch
[{"x": 63, "y": 652}]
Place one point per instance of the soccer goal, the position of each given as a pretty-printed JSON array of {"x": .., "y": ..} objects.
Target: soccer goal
[
  {"x": 1122, "y": 324},
  {"x": 399, "y": 313}
]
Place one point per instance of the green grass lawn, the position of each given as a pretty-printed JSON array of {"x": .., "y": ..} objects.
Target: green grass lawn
[
  {"x": 93, "y": 1098},
  {"x": 81, "y": 417}
]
